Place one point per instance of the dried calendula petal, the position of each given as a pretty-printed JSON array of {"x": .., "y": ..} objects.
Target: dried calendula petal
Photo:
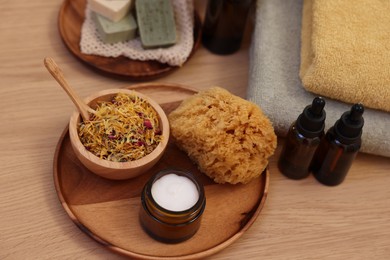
[{"x": 124, "y": 129}]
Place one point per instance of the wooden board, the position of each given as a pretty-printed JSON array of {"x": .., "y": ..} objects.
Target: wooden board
[
  {"x": 108, "y": 210},
  {"x": 70, "y": 21}
]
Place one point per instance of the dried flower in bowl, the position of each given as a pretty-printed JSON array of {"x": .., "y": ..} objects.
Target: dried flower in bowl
[
  {"x": 123, "y": 129},
  {"x": 126, "y": 135}
]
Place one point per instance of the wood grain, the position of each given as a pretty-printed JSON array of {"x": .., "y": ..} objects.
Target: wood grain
[
  {"x": 300, "y": 219},
  {"x": 108, "y": 210},
  {"x": 58, "y": 75},
  {"x": 70, "y": 21}
]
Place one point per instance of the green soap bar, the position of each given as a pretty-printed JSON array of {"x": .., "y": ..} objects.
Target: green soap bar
[
  {"x": 156, "y": 23},
  {"x": 112, "y": 32}
]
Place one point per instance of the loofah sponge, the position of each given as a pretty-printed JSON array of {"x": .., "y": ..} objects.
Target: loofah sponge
[{"x": 228, "y": 137}]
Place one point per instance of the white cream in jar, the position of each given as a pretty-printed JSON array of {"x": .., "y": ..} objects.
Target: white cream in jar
[
  {"x": 174, "y": 192},
  {"x": 173, "y": 202}
]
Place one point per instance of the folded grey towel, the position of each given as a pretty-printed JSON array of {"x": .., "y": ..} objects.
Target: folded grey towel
[{"x": 274, "y": 82}]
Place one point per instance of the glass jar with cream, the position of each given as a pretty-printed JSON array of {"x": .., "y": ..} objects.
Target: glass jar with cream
[{"x": 173, "y": 202}]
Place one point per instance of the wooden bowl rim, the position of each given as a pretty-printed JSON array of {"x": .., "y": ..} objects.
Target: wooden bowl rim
[
  {"x": 265, "y": 177},
  {"x": 75, "y": 118}
]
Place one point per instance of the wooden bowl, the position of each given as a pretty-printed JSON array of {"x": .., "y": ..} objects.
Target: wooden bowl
[{"x": 117, "y": 170}]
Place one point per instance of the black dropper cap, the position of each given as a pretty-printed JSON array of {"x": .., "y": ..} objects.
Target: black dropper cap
[
  {"x": 311, "y": 122},
  {"x": 349, "y": 127}
]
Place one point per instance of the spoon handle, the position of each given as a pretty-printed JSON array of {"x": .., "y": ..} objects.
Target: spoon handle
[{"x": 58, "y": 75}]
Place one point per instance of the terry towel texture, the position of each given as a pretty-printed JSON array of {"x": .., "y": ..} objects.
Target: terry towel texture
[
  {"x": 345, "y": 52},
  {"x": 274, "y": 82}
]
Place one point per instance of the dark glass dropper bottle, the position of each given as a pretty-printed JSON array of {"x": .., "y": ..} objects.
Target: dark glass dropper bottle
[
  {"x": 302, "y": 139},
  {"x": 338, "y": 149},
  {"x": 224, "y": 25}
]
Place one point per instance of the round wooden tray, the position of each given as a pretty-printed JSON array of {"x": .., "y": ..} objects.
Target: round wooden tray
[
  {"x": 108, "y": 210},
  {"x": 70, "y": 21}
]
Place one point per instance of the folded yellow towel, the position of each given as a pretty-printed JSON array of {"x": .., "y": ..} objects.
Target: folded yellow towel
[{"x": 345, "y": 50}]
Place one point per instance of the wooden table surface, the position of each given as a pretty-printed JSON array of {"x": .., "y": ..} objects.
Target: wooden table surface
[{"x": 300, "y": 220}]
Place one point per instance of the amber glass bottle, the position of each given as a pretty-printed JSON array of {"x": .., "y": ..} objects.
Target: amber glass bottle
[
  {"x": 339, "y": 148},
  {"x": 224, "y": 25},
  {"x": 302, "y": 139}
]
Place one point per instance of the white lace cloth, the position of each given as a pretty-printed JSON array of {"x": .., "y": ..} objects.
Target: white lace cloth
[{"x": 176, "y": 55}]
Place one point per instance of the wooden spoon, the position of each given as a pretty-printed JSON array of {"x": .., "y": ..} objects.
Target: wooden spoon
[{"x": 58, "y": 75}]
